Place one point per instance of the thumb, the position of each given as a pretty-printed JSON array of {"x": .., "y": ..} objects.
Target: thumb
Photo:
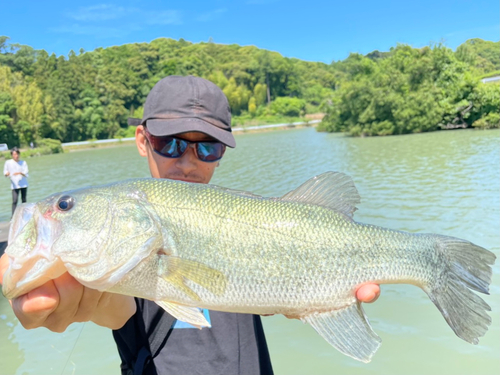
[{"x": 4, "y": 264}]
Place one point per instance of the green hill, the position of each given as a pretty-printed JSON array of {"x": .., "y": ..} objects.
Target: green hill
[{"x": 89, "y": 95}]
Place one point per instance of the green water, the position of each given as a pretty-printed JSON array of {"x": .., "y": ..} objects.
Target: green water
[{"x": 447, "y": 182}]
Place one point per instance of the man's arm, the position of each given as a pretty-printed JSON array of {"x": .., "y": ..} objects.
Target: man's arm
[
  {"x": 62, "y": 301},
  {"x": 25, "y": 169},
  {"x": 6, "y": 169}
]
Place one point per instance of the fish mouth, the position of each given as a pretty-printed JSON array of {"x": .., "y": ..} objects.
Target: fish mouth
[
  {"x": 31, "y": 264},
  {"x": 22, "y": 215}
]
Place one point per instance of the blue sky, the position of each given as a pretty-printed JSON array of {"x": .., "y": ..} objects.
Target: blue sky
[{"x": 311, "y": 30}]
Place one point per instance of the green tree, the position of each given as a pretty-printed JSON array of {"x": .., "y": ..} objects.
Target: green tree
[
  {"x": 481, "y": 54},
  {"x": 407, "y": 91},
  {"x": 7, "y": 111},
  {"x": 219, "y": 79},
  {"x": 29, "y": 105},
  {"x": 286, "y": 106},
  {"x": 91, "y": 94},
  {"x": 486, "y": 102},
  {"x": 90, "y": 115},
  {"x": 260, "y": 94},
  {"x": 237, "y": 96},
  {"x": 252, "y": 107},
  {"x": 19, "y": 58}
]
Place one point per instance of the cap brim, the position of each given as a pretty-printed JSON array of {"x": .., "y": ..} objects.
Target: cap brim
[
  {"x": 161, "y": 127},
  {"x": 134, "y": 121}
]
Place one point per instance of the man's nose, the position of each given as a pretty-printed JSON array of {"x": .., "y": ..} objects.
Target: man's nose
[{"x": 188, "y": 161}]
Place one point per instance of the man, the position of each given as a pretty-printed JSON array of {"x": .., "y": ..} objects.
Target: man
[
  {"x": 183, "y": 135},
  {"x": 17, "y": 171}
]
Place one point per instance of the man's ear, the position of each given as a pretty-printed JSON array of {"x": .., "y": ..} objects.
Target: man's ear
[{"x": 140, "y": 141}]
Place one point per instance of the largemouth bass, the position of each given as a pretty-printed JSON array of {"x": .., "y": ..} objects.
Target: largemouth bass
[{"x": 189, "y": 246}]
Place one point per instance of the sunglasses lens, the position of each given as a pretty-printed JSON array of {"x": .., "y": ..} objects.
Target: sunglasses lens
[
  {"x": 210, "y": 151},
  {"x": 172, "y": 147},
  {"x": 168, "y": 146}
]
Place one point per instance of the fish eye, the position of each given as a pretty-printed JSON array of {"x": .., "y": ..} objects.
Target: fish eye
[{"x": 65, "y": 203}]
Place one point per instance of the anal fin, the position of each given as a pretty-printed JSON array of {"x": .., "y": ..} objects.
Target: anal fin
[
  {"x": 347, "y": 330},
  {"x": 191, "y": 315}
]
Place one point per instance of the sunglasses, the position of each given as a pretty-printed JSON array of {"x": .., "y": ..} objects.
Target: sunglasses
[{"x": 173, "y": 147}]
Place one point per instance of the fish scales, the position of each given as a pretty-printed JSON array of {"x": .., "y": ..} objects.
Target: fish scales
[
  {"x": 189, "y": 246},
  {"x": 271, "y": 281}
]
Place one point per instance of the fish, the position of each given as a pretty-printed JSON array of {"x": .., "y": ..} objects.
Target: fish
[{"x": 190, "y": 246}]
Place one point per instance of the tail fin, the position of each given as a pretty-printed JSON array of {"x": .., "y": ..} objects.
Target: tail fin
[{"x": 468, "y": 266}]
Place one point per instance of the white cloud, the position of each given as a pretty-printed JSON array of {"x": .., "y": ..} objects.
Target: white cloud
[
  {"x": 106, "y": 12},
  {"x": 210, "y": 16},
  {"x": 95, "y": 31},
  {"x": 165, "y": 17},
  {"x": 110, "y": 21},
  {"x": 100, "y": 12}
]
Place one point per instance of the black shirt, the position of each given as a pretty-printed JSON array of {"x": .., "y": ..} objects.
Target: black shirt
[{"x": 235, "y": 344}]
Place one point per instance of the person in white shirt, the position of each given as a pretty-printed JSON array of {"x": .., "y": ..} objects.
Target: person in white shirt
[{"x": 17, "y": 171}]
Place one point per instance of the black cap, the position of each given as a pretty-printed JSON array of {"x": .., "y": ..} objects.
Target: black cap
[{"x": 178, "y": 104}]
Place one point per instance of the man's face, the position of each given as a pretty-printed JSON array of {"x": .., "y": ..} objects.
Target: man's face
[
  {"x": 15, "y": 156},
  {"x": 186, "y": 168}
]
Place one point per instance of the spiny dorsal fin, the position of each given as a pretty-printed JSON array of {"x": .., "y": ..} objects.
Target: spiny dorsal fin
[{"x": 334, "y": 190}]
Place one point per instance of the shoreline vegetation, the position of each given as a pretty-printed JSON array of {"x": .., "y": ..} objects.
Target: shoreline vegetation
[
  {"x": 117, "y": 142},
  {"x": 47, "y": 101},
  {"x": 294, "y": 123}
]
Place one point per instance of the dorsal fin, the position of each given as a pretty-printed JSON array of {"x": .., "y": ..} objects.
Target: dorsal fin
[{"x": 334, "y": 190}]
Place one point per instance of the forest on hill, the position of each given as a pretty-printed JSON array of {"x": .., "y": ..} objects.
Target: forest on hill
[{"x": 90, "y": 95}]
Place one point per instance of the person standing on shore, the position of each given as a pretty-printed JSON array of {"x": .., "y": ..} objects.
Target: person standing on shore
[{"x": 17, "y": 170}]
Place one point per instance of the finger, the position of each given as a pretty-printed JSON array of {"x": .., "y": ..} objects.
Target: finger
[
  {"x": 114, "y": 310},
  {"x": 4, "y": 264},
  {"x": 70, "y": 292},
  {"x": 368, "y": 293},
  {"x": 33, "y": 308},
  {"x": 88, "y": 304},
  {"x": 293, "y": 316}
]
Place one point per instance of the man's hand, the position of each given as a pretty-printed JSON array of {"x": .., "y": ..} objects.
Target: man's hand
[
  {"x": 368, "y": 293},
  {"x": 62, "y": 301}
]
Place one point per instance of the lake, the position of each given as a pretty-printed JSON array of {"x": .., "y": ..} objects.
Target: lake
[{"x": 443, "y": 182}]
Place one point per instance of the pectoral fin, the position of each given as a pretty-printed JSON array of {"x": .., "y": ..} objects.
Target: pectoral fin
[
  {"x": 177, "y": 270},
  {"x": 347, "y": 330},
  {"x": 191, "y": 315}
]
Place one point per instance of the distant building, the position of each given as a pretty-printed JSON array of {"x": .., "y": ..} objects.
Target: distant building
[{"x": 490, "y": 79}]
